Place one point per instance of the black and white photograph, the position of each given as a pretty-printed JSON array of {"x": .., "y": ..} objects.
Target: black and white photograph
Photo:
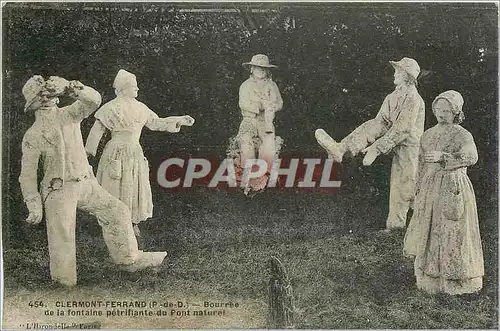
[{"x": 249, "y": 165}]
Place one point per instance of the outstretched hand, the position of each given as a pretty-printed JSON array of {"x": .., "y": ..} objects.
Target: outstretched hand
[{"x": 186, "y": 120}]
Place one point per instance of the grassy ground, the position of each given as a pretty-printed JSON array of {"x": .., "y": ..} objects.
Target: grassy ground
[{"x": 344, "y": 273}]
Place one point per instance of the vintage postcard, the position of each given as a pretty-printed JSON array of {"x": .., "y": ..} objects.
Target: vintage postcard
[{"x": 265, "y": 165}]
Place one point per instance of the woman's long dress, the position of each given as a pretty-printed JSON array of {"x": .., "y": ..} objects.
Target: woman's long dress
[
  {"x": 123, "y": 170},
  {"x": 443, "y": 233}
]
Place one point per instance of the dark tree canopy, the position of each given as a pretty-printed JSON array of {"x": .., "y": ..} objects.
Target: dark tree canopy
[{"x": 333, "y": 66}]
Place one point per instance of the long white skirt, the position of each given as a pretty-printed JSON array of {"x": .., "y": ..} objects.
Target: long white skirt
[{"x": 124, "y": 172}]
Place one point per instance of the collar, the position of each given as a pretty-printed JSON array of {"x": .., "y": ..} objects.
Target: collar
[
  {"x": 259, "y": 81},
  {"x": 124, "y": 97},
  {"x": 44, "y": 112},
  {"x": 404, "y": 88}
]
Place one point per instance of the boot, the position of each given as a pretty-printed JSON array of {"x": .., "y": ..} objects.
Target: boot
[
  {"x": 146, "y": 260},
  {"x": 333, "y": 148}
]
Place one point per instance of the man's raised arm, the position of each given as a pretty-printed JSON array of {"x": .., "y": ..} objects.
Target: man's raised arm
[{"x": 87, "y": 100}]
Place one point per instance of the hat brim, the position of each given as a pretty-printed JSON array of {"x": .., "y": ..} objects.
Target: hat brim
[
  {"x": 396, "y": 65},
  {"x": 29, "y": 103},
  {"x": 248, "y": 64}
]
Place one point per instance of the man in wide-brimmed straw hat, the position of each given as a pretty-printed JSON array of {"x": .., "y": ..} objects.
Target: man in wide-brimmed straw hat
[
  {"x": 68, "y": 181},
  {"x": 259, "y": 100},
  {"x": 396, "y": 129}
]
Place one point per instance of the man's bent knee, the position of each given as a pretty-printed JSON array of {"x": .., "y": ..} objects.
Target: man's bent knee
[{"x": 121, "y": 212}]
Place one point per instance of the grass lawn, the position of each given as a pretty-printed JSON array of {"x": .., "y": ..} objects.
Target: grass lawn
[{"x": 344, "y": 273}]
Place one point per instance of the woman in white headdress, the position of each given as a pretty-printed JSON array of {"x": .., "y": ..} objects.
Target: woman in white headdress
[
  {"x": 123, "y": 170},
  {"x": 443, "y": 234}
]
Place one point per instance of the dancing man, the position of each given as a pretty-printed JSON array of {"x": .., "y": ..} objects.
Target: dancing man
[
  {"x": 68, "y": 181},
  {"x": 396, "y": 129}
]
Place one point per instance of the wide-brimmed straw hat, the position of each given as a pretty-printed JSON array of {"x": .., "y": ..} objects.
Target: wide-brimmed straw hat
[
  {"x": 408, "y": 65},
  {"x": 259, "y": 60},
  {"x": 31, "y": 89}
]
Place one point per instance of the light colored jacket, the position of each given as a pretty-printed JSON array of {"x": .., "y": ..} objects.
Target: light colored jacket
[
  {"x": 56, "y": 138},
  {"x": 403, "y": 113},
  {"x": 259, "y": 95}
]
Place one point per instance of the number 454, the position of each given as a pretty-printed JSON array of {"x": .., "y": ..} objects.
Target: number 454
[{"x": 36, "y": 304}]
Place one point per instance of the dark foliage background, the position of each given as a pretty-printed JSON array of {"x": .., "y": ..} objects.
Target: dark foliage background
[{"x": 333, "y": 73}]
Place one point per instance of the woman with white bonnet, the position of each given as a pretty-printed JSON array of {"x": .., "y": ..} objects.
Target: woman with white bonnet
[
  {"x": 443, "y": 234},
  {"x": 123, "y": 170}
]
